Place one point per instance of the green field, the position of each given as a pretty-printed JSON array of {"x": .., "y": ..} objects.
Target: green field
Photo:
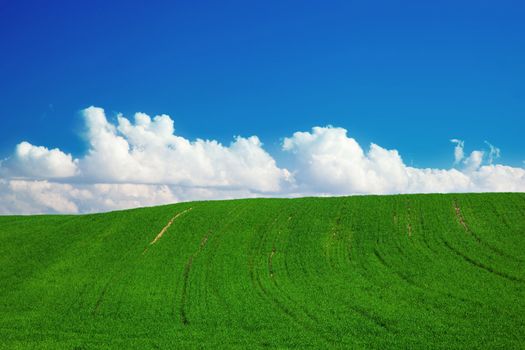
[{"x": 405, "y": 271}]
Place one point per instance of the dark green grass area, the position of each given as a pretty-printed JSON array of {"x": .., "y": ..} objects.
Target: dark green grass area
[{"x": 406, "y": 271}]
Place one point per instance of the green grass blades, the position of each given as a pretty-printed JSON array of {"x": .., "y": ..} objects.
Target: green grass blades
[{"x": 405, "y": 271}]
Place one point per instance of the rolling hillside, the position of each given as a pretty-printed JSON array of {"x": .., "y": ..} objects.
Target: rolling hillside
[{"x": 419, "y": 271}]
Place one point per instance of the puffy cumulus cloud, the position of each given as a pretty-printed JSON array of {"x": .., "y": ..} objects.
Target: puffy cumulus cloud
[
  {"x": 38, "y": 162},
  {"x": 141, "y": 162},
  {"x": 330, "y": 162},
  {"x": 147, "y": 151}
]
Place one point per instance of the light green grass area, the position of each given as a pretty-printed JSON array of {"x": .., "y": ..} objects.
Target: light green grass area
[{"x": 406, "y": 271}]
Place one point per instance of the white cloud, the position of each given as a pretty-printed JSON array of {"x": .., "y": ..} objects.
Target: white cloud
[
  {"x": 143, "y": 162},
  {"x": 330, "y": 162},
  {"x": 474, "y": 161},
  {"x": 147, "y": 151},
  {"x": 43, "y": 196},
  {"x": 458, "y": 150},
  {"x": 499, "y": 178},
  {"x": 38, "y": 162},
  {"x": 32, "y": 196},
  {"x": 494, "y": 152}
]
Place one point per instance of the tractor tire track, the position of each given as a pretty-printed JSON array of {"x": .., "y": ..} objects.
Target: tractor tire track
[
  {"x": 186, "y": 275},
  {"x": 478, "y": 239},
  {"x": 205, "y": 240},
  {"x": 481, "y": 265},
  {"x": 115, "y": 276},
  {"x": 422, "y": 289},
  {"x": 270, "y": 297}
]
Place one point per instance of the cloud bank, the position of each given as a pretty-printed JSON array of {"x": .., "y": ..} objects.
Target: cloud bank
[{"x": 140, "y": 162}]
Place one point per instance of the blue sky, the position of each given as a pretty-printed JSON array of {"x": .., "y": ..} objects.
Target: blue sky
[
  {"x": 407, "y": 75},
  {"x": 347, "y": 97}
]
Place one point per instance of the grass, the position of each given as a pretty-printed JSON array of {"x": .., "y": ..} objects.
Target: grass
[{"x": 407, "y": 271}]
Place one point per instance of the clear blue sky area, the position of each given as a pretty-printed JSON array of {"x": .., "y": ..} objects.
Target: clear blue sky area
[{"x": 407, "y": 75}]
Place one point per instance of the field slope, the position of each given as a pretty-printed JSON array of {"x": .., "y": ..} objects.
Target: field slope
[{"x": 408, "y": 271}]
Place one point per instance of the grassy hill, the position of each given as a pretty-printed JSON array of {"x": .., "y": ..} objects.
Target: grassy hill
[{"x": 418, "y": 271}]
